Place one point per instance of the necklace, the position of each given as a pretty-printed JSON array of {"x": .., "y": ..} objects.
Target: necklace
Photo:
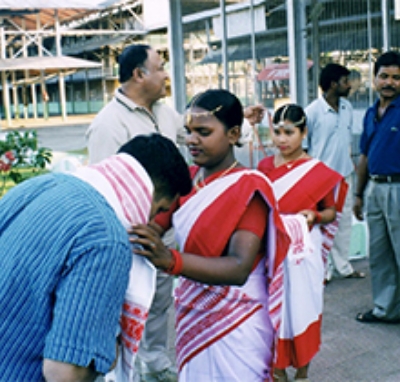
[
  {"x": 200, "y": 183},
  {"x": 289, "y": 164}
]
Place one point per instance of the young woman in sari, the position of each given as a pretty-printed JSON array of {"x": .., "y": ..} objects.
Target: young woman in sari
[
  {"x": 307, "y": 187},
  {"x": 229, "y": 294}
]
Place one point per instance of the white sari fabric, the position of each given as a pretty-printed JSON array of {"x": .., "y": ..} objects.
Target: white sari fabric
[
  {"x": 298, "y": 188},
  {"x": 128, "y": 189},
  {"x": 225, "y": 333},
  {"x": 242, "y": 352}
]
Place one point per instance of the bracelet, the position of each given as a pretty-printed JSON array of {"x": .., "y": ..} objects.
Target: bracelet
[
  {"x": 318, "y": 217},
  {"x": 175, "y": 268}
]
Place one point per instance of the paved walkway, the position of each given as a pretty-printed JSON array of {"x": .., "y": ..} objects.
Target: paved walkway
[
  {"x": 353, "y": 351},
  {"x": 350, "y": 351},
  {"x": 32, "y": 123}
]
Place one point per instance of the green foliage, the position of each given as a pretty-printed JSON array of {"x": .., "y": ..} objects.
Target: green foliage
[{"x": 21, "y": 158}]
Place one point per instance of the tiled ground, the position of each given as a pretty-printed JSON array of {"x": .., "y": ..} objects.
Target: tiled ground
[{"x": 351, "y": 351}]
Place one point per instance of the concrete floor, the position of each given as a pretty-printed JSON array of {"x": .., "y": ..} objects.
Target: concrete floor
[{"x": 350, "y": 351}]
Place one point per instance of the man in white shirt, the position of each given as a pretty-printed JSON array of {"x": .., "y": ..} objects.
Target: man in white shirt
[{"x": 329, "y": 123}]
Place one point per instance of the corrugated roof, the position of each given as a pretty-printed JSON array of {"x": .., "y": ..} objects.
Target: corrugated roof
[
  {"x": 48, "y": 64},
  {"x": 52, "y": 4},
  {"x": 96, "y": 43},
  {"x": 25, "y": 13}
]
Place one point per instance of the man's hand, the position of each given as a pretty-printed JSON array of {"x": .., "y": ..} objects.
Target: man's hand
[
  {"x": 358, "y": 208},
  {"x": 254, "y": 114},
  {"x": 55, "y": 371}
]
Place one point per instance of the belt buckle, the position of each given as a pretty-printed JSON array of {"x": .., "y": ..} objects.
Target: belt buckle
[{"x": 389, "y": 179}]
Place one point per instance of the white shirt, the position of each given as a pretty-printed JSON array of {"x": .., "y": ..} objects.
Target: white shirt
[
  {"x": 121, "y": 120},
  {"x": 330, "y": 133}
]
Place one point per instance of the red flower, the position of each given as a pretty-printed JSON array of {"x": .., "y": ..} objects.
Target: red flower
[
  {"x": 10, "y": 156},
  {"x": 4, "y": 166}
]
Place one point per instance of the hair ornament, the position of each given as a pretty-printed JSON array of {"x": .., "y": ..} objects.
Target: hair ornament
[
  {"x": 189, "y": 115},
  {"x": 281, "y": 122}
]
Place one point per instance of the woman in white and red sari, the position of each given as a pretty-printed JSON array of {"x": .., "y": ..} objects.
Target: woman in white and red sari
[
  {"x": 305, "y": 186},
  {"x": 229, "y": 297}
]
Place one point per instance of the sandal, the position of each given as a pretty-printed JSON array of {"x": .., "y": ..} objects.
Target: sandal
[
  {"x": 280, "y": 378},
  {"x": 356, "y": 275},
  {"x": 369, "y": 317}
]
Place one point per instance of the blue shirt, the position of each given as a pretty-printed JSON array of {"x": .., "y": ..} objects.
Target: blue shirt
[
  {"x": 329, "y": 134},
  {"x": 64, "y": 266},
  {"x": 380, "y": 139}
]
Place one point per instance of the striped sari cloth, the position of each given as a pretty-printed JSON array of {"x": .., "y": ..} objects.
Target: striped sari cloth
[
  {"x": 128, "y": 189},
  {"x": 226, "y": 333},
  {"x": 298, "y": 187}
]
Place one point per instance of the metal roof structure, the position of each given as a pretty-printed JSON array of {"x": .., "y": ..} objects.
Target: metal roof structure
[
  {"x": 94, "y": 44},
  {"x": 26, "y": 58},
  {"x": 48, "y": 64},
  {"x": 27, "y": 14},
  {"x": 190, "y": 7}
]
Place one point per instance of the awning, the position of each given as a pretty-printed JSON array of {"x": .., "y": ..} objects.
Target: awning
[
  {"x": 26, "y": 13},
  {"x": 276, "y": 72},
  {"x": 54, "y": 4},
  {"x": 243, "y": 51},
  {"x": 50, "y": 64},
  {"x": 94, "y": 44}
]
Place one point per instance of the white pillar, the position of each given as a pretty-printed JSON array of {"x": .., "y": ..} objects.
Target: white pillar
[
  {"x": 296, "y": 22},
  {"x": 253, "y": 53},
  {"x": 385, "y": 26},
  {"x": 6, "y": 95},
  {"x": 14, "y": 91},
  {"x": 177, "y": 56},
  {"x": 26, "y": 73},
  {"x": 61, "y": 82},
  {"x": 224, "y": 45}
]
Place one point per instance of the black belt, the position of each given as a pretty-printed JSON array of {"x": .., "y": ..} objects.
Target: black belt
[{"x": 385, "y": 178}]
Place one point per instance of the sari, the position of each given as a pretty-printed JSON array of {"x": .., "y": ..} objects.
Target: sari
[
  {"x": 128, "y": 189},
  {"x": 304, "y": 185},
  {"x": 226, "y": 333}
]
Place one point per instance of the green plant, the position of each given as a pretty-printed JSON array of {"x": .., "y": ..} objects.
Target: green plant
[{"x": 20, "y": 151}]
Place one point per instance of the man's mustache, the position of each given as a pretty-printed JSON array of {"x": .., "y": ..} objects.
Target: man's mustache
[{"x": 389, "y": 88}]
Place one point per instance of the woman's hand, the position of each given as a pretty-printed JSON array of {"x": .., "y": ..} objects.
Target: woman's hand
[
  {"x": 310, "y": 215},
  {"x": 152, "y": 246},
  {"x": 326, "y": 216}
]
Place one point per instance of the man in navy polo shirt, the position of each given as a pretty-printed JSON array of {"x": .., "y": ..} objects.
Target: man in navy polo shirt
[{"x": 379, "y": 168}]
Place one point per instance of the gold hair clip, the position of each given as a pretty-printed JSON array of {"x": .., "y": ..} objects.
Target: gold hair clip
[
  {"x": 281, "y": 123},
  {"x": 190, "y": 115}
]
